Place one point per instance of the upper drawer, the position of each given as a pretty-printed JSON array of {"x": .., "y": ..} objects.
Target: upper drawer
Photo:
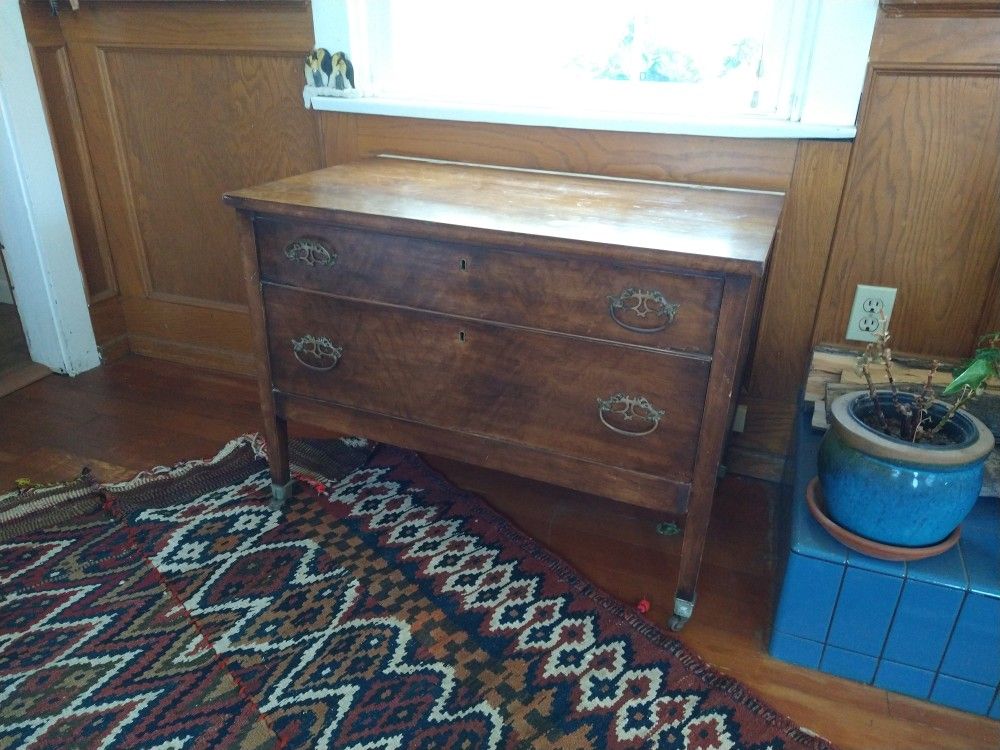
[{"x": 612, "y": 301}]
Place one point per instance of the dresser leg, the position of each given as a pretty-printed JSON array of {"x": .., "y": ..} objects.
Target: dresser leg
[
  {"x": 276, "y": 437},
  {"x": 280, "y": 492},
  {"x": 692, "y": 547}
]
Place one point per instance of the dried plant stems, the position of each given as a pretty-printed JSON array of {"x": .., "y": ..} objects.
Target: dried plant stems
[{"x": 912, "y": 421}]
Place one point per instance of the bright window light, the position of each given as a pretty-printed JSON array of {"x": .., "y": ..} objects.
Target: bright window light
[{"x": 632, "y": 62}]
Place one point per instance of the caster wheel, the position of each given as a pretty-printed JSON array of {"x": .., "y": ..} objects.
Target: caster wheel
[{"x": 676, "y": 622}]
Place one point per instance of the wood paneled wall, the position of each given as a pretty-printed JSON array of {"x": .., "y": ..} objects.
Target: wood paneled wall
[
  {"x": 158, "y": 108},
  {"x": 57, "y": 83},
  {"x": 176, "y": 103},
  {"x": 921, "y": 206}
]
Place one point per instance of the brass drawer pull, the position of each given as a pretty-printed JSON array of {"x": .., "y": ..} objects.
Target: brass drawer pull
[
  {"x": 311, "y": 252},
  {"x": 316, "y": 353},
  {"x": 627, "y": 408},
  {"x": 643, "y": 304}
]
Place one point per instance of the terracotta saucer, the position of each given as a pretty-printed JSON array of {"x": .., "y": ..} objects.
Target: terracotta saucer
[{"x": 814, "y": 498}]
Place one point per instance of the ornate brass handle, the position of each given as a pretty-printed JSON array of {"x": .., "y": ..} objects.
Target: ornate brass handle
[
  {"x": 316, "y": 353},
  {"x": 629, "y": 408},
  {"x": 311, "y": 252},
  {"x": 643, "y": 304}
]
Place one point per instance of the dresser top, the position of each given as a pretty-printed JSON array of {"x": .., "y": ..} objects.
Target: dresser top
[{"x": 728, "y": 229}]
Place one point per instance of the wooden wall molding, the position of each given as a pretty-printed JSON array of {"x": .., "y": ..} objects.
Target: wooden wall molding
[
  {"x": 940, "y": 7},
  {"x": 763, "y": 164},
  {"x": 234, "y": 27},
  {"x": 53, "y": 67},
  {"x": 79, "y": 187},
  {"x": 966, "y": 39},
  {"x": 797, "y": 268}
]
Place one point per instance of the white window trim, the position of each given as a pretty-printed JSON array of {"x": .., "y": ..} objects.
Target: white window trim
[
  {"x": 834, "y": 76},
  {"x": 747, "y": 127}
]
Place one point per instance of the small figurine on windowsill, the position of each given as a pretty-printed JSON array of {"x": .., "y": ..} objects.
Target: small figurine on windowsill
[{"x": 328, "y": 75}]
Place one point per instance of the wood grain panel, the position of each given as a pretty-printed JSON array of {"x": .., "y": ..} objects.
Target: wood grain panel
[
  {"x": 219, "y": 339},
  {"x": 110, "y": 330},
  {"x": 192, "y": 128},
  {"x": 187, "y": 25},
  {"x": 763, "y": 164},
  {"x": 990, "y": 320},
  {"x": 40, "y": 27},
  {"x": 940, "y": 6},
  {"x": 79, "y": 186},
  {"x": 960, "y": 38},
  {"x": 921, "y": 210},
  {"x": 797, "y": 266}
]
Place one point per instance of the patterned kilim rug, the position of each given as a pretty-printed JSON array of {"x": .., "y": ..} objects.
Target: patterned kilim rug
[{"x": 383, "y": 609}]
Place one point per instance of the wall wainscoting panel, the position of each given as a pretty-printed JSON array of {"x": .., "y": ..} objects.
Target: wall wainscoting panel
[
  {"x": 178, "y": 103},
  {"x": 921, "y": 207}
]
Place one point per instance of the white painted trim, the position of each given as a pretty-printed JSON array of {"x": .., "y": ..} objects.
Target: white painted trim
[
  {"x": 34, "y": 223},
  {"x": 739, "y": 127}
]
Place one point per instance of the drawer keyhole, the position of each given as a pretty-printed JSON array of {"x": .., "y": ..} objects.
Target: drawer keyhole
[
  {"x": 463, "y": 264},
  {"x": 461, "y": 336}
]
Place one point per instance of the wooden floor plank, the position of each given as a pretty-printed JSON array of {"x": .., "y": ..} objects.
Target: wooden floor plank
[{"x": 135, "y": 413}]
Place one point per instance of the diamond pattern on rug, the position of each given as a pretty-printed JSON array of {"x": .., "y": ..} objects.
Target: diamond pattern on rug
[
  {"x": 296, "y": 628},
  {"x": 382, "y": 608},
  {"x": 94, "y": 652}
]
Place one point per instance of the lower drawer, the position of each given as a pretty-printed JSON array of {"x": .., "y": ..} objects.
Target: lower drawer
[{"x": 607, "y": 403}]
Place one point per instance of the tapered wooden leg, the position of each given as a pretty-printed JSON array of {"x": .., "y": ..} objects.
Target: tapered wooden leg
[
  {"x": 715, "y": 425},
  {"x": 276, "y": 436},
  {"x": 275, "y": 427},
  {"x": 695, "y": 532}
]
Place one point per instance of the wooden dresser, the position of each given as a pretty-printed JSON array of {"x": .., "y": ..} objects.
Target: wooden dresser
[{"x": 583, "y": 331}]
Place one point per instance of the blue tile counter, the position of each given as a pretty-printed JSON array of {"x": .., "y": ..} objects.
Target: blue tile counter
[{"x": 929, "y": 629}]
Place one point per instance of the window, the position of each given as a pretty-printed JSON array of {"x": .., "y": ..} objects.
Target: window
[{"x": 747, "y": 66}]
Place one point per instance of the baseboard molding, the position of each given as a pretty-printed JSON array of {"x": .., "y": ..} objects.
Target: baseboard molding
[
  {"x": 754, "y": 464},
  {"x": 238, "y": 363},
  {"x": 113, "y": 349}
]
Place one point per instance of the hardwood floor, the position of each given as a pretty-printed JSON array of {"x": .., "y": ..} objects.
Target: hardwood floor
[
  {"x": 13, "y": 347},
  {"x": 16, "y": 367},
  {"x": 137, "y": 412}
]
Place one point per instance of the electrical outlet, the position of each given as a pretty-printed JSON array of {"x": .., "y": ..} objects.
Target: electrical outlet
[{"x": 870, "y": 304}]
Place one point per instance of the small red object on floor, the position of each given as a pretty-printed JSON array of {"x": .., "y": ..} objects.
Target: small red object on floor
[{"x": 643, "y": 606}]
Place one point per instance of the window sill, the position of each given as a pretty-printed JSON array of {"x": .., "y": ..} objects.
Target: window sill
[{"x": 731, "y": 127}]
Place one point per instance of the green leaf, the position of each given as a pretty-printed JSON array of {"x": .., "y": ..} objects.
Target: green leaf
[{"x": 978, "y": 371}]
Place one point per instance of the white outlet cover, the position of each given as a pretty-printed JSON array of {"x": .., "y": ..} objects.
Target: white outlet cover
[{"x": 865, "y": 311}]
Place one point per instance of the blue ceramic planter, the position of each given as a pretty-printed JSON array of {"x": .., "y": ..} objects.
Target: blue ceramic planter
[{"x": 895, "y": 492}]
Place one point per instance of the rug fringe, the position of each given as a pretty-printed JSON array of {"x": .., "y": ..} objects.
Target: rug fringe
[
  {"x": 252, "y": 440},
  {"x": 34, "y": 490}
]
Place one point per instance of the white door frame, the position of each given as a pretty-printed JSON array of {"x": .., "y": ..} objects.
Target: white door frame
[{"x": 34, "y": 223}]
